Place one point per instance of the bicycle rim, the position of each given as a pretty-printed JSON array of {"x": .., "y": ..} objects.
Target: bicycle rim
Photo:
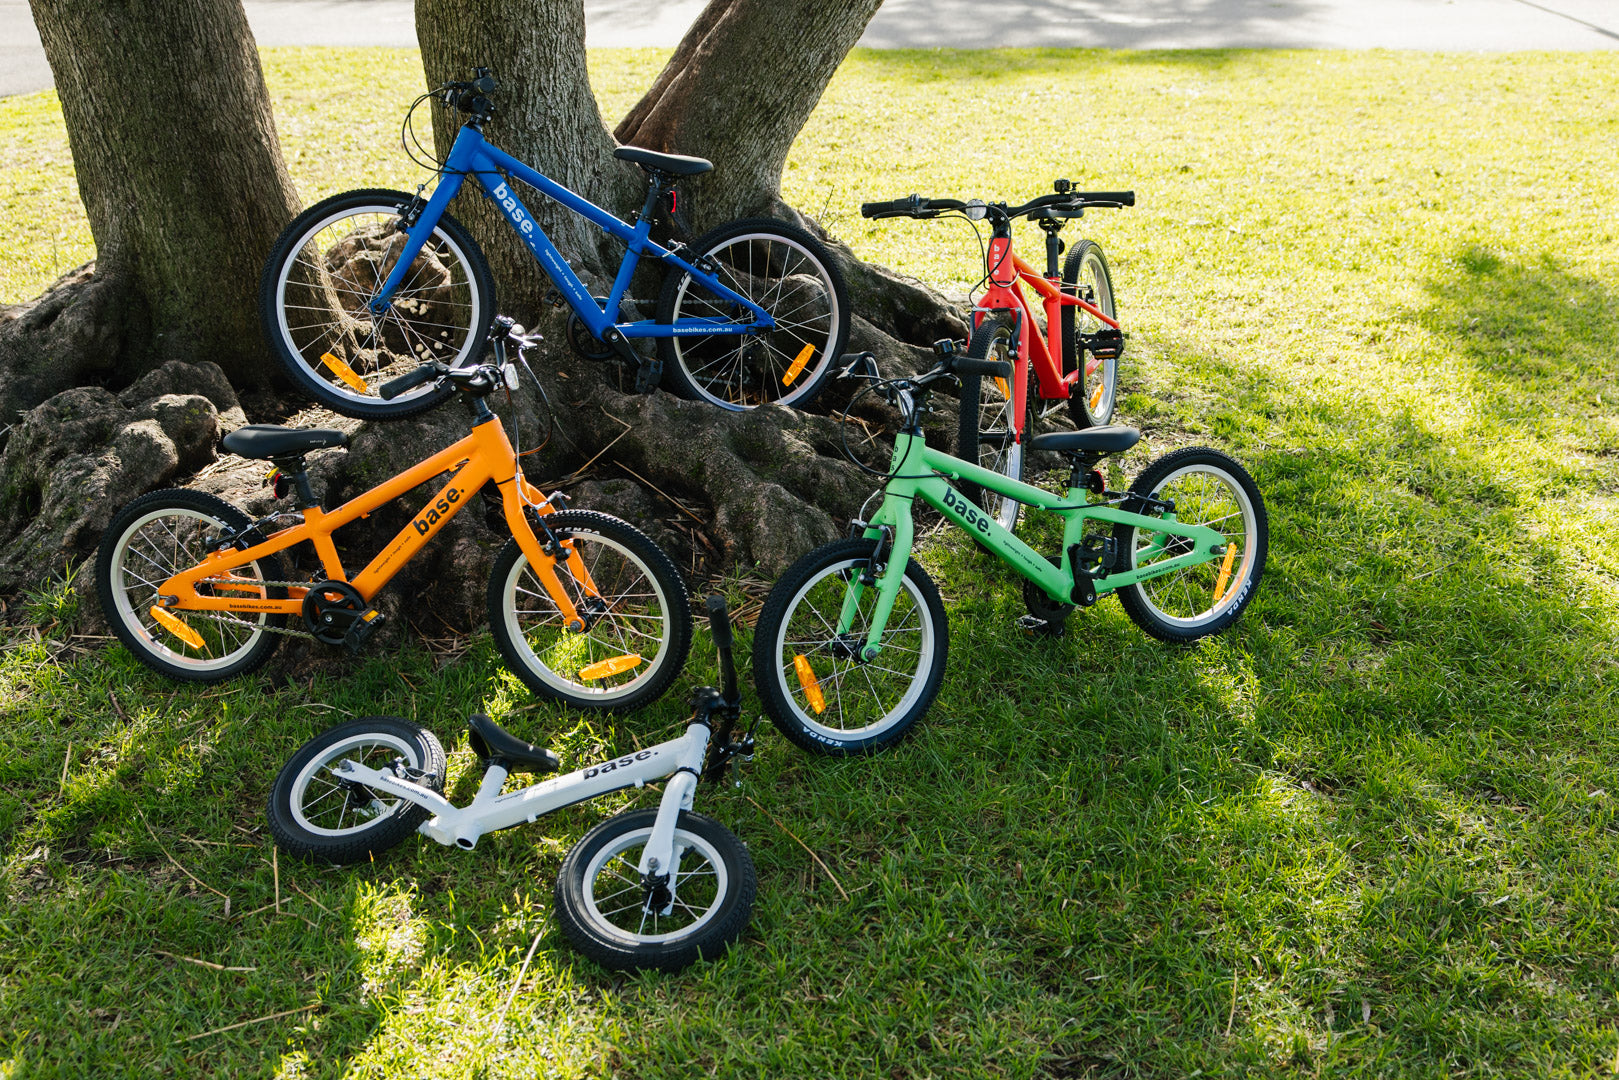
[
  {"x": 631, "y": 617},
  {"x": 833, "y": 695},
  {"x": 157, "y": 546},
  {"x": 327, "y": 805},
  {"x": 1189, "y": 598},
  {"x": 615, "y": 899},
  {"x": 331, "y": 274},
  {"x": 747, "y": 370}
]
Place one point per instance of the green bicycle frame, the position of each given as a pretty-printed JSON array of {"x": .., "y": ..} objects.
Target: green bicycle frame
[{"x": 921, "y": 472}]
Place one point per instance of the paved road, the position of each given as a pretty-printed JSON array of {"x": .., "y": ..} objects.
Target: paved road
[{"x": 1492, "y": 25}]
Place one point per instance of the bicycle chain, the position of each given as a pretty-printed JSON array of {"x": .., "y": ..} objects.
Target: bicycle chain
[
  {"x": 226, "y": 618},
  {"x": 266, "y": 627}
]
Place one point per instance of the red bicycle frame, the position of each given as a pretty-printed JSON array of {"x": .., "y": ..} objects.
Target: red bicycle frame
[{"x": 1005, "y": 294}]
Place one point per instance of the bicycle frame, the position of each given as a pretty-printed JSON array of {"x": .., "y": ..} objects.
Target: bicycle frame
[
  {"x": 680, "y": 759},
  {"x": 472, "y": 155},
  {"x": 485, "y": 454},
  {"x": 1043, "y": 353},
  {"x": 912, "y": 455}
]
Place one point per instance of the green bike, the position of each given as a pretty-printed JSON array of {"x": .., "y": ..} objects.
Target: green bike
[{"x": 850, "y": 648}]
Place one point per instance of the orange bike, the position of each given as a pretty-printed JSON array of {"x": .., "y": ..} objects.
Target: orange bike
[{"x": 583, "y": 606}]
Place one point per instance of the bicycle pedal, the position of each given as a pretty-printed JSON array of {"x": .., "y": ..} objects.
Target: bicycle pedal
[
  {"x": 648, "y": 375},
  {"x": 1033, "y": 624},
  {"x": 368, "y": 622}
]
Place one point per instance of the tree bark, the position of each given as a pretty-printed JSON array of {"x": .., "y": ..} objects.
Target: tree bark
[
  {"x": 738, "y": 90},
  {"x": 546, "y": 116},
  {"x": 182, "y": 179}
]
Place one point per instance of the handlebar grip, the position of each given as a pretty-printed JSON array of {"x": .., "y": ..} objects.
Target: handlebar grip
[
  {"x": 394, "y": 387},
  {"x": 1115, "y": 198},
  {"x": 1000, "y": 369},
  {"x": 719, "y": 621},
  {"x": 906, "y": 207}
]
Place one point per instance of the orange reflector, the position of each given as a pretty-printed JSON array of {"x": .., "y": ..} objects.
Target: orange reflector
[
  {"x": 177, "y": 628},
  {"x": 344, "y": 372},
  {"x": 1006, "y": 391},
  {"x": 611, "y": 666},
  {"x": 811, "y": 685},
  {"x": 1225, "y": 572},
  {"x": 796, "y": 368},
  {"x": 1096, "y": 397}
]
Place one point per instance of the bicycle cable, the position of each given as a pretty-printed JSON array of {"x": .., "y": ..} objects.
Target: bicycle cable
[
  {"x": 843, "y": 432},
  {"x": 409, "y": 138}
]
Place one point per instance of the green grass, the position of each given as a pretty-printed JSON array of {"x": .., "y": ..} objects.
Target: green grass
[{"x": 1371, "y": 831}]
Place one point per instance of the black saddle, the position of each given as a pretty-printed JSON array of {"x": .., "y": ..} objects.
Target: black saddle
[
  {"x": 493, "y": 743},
  {"x": 274, "y": 441},
  {"x": 1097, "y": 440},
  {"x": 673, "y": 164}
]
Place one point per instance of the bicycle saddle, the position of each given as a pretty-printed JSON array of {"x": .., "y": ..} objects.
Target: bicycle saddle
[
  {"x": 1097, "y": 440},
  {"x": 273, "y": 440},
  {"x": 673, "y": 164},
  {"x": 491, "y": 742}
]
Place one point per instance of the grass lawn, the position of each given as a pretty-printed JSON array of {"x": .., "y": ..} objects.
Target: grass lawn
[{"x": 1370, "y": 831}]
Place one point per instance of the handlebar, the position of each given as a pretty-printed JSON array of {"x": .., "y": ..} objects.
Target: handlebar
[
  {"x": 915, "y": 206},
  {"x": 410, "y": 380},
  {"x": 998, "y": 369},
  {"x": 470, "y": 97}
]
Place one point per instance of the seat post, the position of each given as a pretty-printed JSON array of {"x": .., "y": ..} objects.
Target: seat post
[
  {"x": 657, "y": 184},
  {"x": 295, "y": 471}
]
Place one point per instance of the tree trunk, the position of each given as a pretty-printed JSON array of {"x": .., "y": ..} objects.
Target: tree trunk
[
  {"x": 546, "y": 117},
  {"x": 183, "y": 182},
  {"x": 738, "y": 90}
]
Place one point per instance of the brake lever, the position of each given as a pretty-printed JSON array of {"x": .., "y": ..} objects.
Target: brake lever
[{"x": 858, "y": 366}]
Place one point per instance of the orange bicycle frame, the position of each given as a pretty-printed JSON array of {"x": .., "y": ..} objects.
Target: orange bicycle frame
[{"x": 486, "y": 454}]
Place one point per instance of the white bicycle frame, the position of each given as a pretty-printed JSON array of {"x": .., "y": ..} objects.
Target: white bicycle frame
[{"x": 681, "y": 759}]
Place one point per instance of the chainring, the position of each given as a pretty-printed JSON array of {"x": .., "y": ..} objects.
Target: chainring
[
  {"x": 1044, "y": 608},
  {"x": 584, "y": 344},
  {"x": 330, "y": 608}
]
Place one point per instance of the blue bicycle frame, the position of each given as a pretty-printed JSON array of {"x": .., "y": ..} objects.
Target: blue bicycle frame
[{"x": 472, "y": 155}]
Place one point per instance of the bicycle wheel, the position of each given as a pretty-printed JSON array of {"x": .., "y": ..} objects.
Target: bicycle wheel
[
  {"x": 788, "y": 273},
  {"x": 811, "y": 680},
  {"x": 320, "y": 278},
  {"x": 1207, "y": 488},
  {"x": 638, "y": 621},
  {"x": 317, "y": 814},
  {"x": 608, "y": 914},
  {"x": 152, "y": 539},
  {"x": 1093, "y": 395},
  {"x": 990, "y": 433}
]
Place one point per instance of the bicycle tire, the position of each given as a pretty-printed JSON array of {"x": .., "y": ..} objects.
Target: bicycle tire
[
  {"x": 805, "y": 601},
  {"x": 319, "y": 277},
  {"x": 1085, "y": 274},
  {"x": 988, "y": 435},
  {"x": 650, "y": 609},
  {"x": 718, "y": 903},
  {"x": 787, "y": 272},
  {"x": 378, "y": 822},
  {"x": 159, "y": 535},
  {"x": 1207, "y": 487}
]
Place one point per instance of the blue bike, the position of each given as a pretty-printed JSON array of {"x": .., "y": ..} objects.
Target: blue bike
[{"x": 368, "y": 285}]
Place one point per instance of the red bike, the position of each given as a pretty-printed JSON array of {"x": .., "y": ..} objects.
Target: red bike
[{"x": 1079, "y": 326}]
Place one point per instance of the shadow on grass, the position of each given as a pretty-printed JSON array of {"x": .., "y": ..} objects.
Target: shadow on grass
[
  {"x": 1542, "y": 340},
  {"x": 118, "y": 923},
  {"x": 989, "y": 66},
  {"x": 1368, "y": 828}
]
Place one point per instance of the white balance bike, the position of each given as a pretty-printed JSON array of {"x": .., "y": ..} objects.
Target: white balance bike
[{"x": 645, "y": 889}]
